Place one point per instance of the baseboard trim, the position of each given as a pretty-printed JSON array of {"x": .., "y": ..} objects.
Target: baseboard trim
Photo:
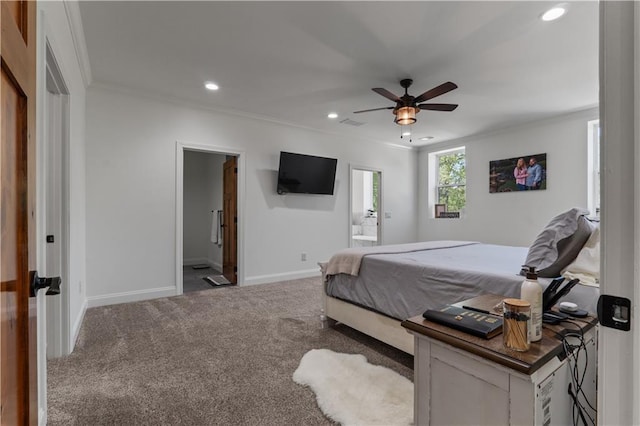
[
  {"x": 273, "y": 278},
  {"x": 131, "y": 296},
  {"x": 196, "y": 261},
  {"x": 75, "y": 330},
  {"x": 202, "y": 261},
  {"x": 42, "y": 417}
]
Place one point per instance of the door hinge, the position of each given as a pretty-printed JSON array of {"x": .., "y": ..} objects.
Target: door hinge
[
  {"x": 235, "y": 220},
  {"x": 235, "y": 269},
  {"x": 235, "y": 170}
]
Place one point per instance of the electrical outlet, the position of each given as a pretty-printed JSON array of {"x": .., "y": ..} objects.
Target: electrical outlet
[{"x": 303, "y": 257}]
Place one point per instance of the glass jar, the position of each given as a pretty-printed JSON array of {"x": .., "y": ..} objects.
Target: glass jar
[{"x": 515, "y": 328}]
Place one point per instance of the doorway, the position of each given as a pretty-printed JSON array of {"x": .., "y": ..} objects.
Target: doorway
[
  {"x": 365, "y": 213},
  {"x": 208, "y": 217}
]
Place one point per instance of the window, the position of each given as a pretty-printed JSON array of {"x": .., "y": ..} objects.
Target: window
[
  {"x": 593, "y": 168},
  {"x": 450, "y": 179}
]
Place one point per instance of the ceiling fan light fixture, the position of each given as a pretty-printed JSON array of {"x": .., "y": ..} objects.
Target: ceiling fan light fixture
[{"x": 405, "y": 115}]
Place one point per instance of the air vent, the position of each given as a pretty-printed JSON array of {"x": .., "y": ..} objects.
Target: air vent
[{"x": 351, "y": 122}]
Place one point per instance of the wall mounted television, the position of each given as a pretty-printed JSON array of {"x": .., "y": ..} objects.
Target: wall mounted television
[{"x": 306, "y": 174}]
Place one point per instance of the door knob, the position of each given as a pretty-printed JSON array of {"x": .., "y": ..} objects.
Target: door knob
[{"x": 39, "y": 283}]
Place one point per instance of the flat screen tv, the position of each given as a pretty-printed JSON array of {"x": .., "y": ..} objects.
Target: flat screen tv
[{"x": 306, "y": 174}]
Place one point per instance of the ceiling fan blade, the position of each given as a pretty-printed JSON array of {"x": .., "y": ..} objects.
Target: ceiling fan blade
[
  {"x": 387, "y": 94},
  {"x": 436, "y": 91},
  {"x": 374, "y": 109},
  {"x": 438, "y": 107}
]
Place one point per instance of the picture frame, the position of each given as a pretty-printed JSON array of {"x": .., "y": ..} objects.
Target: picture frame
[
  {"x": 439, "y": 209},
  {"x": 523, "y": 173}
]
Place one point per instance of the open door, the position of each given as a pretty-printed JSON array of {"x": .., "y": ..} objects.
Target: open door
[
  {"x": 230, "y": 220},
  {"x": 18, "y": 311}
]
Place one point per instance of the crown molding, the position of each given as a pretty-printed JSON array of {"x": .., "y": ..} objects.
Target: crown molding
[
  {"x": 72, "y": 10},
  {"x": 173, "y": 100}
]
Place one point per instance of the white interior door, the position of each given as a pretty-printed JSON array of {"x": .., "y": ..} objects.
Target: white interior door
[{"x": 365, "y": 212}]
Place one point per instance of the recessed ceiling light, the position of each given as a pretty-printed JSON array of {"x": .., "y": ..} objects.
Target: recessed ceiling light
[
  {"x": 406, "y": 133},
  {"x": 211, "y": 86},
  {"x": 332, "y": 115},
  {"x": 553, "y": 13},
  {"x": 426, "y": 138}
]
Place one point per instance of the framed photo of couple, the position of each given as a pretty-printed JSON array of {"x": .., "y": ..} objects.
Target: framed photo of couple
[{"x": 523, "y": 173}]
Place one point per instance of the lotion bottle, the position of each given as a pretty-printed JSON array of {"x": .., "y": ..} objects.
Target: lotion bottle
[{"x": 531, "y": 291}]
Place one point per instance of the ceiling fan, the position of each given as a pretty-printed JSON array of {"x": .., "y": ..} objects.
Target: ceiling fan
[{"x": 408, "y": 106}]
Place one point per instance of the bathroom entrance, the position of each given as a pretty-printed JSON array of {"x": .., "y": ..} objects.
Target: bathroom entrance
[
  {"x": 209, "y": 194},
  {"x": 366, "y": 207}
]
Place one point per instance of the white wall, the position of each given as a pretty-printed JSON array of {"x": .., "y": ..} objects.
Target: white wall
[
  {"x": 513, "y": 218},
  {"x": 357, "y": 196},
  {"x": 202, "y": 193},
  {"x": 131, "y": 148},
  {"x": 57, "y": 27}
]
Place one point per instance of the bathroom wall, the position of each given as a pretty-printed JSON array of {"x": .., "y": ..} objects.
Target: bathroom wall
[{"x": 202, "y": 193}]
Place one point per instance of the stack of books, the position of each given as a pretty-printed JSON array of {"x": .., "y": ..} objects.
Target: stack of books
[{"x": 473, "y": 321}]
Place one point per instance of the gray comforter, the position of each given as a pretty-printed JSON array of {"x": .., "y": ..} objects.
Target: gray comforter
[{"x": 402, "y": 285}]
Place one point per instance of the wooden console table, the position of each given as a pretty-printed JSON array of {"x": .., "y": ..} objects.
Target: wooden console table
[{"x": 462, "y": 379}]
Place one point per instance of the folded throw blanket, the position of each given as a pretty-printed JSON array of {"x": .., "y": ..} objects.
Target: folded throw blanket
[{"x": 348, "y": 261}]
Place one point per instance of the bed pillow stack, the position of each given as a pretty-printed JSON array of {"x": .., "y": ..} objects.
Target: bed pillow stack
[
  {"x": 586, "y": 266},
  {"x": 559, "y": 243}
]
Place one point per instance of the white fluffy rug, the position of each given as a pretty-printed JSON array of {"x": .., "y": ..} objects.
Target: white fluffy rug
[{"x": 351, "y": 391}]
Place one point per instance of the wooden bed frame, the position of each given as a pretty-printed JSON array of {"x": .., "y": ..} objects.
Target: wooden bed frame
[{"x": 378, "y": 326}]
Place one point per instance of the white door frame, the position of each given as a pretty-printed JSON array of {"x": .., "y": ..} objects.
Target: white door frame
[
  {"x": 619, "y": 351},
  {"x": 182, "y": 146},
  {"x": 52, "y": 205},
  {"x": 353, "y": 167},
  {"x": 56, "y": 202}
]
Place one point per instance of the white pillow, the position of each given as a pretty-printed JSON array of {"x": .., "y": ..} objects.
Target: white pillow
[
  {"x": 586, "y": 266},
  {"x": 559, "y": 243}
]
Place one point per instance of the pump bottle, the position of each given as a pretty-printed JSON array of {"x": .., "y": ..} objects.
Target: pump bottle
[{"x": 531, "y": 291}]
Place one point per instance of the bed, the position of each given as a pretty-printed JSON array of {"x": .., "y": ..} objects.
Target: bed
[{"x": 372, "y": 289}]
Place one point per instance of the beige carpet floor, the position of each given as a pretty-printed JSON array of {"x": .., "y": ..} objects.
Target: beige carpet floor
[{"x": 217, "y": 357}]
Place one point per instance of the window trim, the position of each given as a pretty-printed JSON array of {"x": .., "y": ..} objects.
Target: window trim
[{"x": 434, "y": 177}]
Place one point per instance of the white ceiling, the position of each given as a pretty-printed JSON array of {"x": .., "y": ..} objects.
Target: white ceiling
[{"x": 294, "y": 62}]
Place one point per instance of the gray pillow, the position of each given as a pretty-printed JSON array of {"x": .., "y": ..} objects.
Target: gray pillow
[{"x": 559, "y": 243}]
